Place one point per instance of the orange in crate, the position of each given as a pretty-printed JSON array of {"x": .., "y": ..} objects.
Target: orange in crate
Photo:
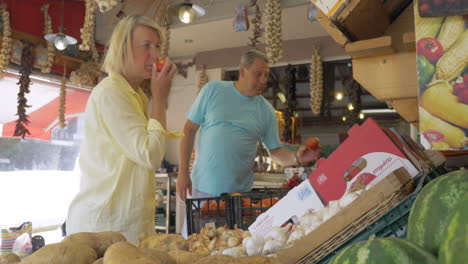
[{"x": 213, "y": 209}]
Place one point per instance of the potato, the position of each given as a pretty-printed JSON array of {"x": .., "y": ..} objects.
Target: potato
[
  {"x": 159, "y": 255},
  {"x": 185, "y": 257},
  {"x": 126, "y": 253},
  {"x": 219, "y": 259},
  {"x": 259, "y": 260},
  {"x": 223, "y": 259},
  {"x": 99, "y": 241},
  {"x": 99, "y": 261},
  {"x": 9, "y": 258},
  {"x": 164, "y": 242},
  {"x": 62, "y": 253}
]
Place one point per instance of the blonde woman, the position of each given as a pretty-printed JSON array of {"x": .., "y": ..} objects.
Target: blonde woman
[{"x": 123, "y": 144}]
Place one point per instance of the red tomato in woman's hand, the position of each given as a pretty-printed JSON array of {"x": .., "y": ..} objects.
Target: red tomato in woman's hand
[
  {"x": 160, "y": 64},
  {"x": 312, "y": 143}
]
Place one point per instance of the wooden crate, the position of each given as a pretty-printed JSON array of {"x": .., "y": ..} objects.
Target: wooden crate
[{"x": 350, "y": 220}]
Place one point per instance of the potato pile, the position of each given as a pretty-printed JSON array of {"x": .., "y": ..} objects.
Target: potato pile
[{"x": 112, "y": 248}]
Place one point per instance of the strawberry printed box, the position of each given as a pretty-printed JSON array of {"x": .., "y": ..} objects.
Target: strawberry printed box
[{"x": 366, "y": 157}]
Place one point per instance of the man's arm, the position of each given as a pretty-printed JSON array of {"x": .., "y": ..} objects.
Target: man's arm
[
  {"x": 184, "y": 183},
  {"x": 286, "y": 158},
  {"x": 283, "y": 157}
]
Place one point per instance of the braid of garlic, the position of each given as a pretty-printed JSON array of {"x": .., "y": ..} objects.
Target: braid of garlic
[
  {"x": 203, "y": 79},
  {"x": 273, "y": 43},
  {"x": 63, "y": 95},
  {"x": 316, "y": 81},
  {"x": 87, "y": 31},
  {"x": 106, "y": 5},
  {"x": 166, "y": 30},
  {"x": 5, "y": 52},
  {"x": 50, "y": 45}
]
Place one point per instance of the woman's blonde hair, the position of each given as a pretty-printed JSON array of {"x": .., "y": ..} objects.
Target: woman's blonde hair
[{"x": 119, "y": 47}]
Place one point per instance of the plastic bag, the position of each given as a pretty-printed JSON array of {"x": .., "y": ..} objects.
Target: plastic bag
[
  {"x": 10, "y": 235},
  {"x": 241, "y": 20},
  {"x": 22, "y": 246}
]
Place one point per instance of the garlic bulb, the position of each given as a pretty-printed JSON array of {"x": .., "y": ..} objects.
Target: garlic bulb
[
  {"x": 313, "y": 226},
  {"x": 273, "y": 43},
  {"x": 203, "y": 79},
  {"x": 348, "y": 198},
  {"x": 216, "y": 252},
  {"x": 329, "y": 211},
  {"x": 246, "y": 234},
  {"x": 279, "y": 233},
  {"x": 253, "y": 246},
  {"x": 234, "y": 252},
  {"x": 316, "y": 81},
  {"x": 50, "y": 45},
  {"x": 106, "y": 5},
  {"x": 309, "y": 218},
  {"x": 63, "y": 96},
  {"x": 297, "y": 234},
  {"x": 271, "y": 246},
  {"x": 87, "y": 31},
  {"x": 5, "y": 52}
]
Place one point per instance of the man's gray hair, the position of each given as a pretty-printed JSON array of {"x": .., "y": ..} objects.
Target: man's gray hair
[{"x": 248, "y": 58}]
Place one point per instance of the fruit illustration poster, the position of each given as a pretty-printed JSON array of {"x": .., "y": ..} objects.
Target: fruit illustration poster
[{"x": 442, "y": 59}]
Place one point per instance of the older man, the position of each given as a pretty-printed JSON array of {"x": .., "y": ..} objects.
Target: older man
[{"x": 233, "y": 117}]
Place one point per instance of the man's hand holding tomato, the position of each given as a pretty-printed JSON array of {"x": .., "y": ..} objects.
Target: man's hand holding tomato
[{"x": 310, "y": 152}]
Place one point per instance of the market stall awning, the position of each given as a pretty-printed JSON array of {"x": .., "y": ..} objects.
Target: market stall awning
[{"x": 45, "y": 118}]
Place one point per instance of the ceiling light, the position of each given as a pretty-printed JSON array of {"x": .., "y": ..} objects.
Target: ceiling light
[
  {"x": 361, "y": 115},
  {"x": 350, "y": 107},
  {"x": 281, "y": 96},
  {"x": 343, "y": 118},
  {"x": 186, "y": 13},
  {"x": 339, "y": 96},
  {"x": 60, "y": 40},
  {"x": 378, "y": 111}
]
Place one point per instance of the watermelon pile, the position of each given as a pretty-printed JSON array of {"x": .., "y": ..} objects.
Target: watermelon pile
[{"x": 437, "y": 229}]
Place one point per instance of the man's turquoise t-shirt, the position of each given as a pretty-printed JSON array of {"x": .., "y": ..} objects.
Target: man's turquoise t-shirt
[{"x": 231, "y": 126}]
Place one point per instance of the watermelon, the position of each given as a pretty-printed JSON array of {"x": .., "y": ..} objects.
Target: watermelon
[
  {"x": 432, "y": 207},
  {"x": 454, "y": 246},
  {"x": 384, "y": 250}
]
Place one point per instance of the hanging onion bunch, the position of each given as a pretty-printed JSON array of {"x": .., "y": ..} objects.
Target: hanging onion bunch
[
  {"x": 87, "y": 31},
  {"x": 257, "y": 28},
  {"x": 63, "y": 95},
  {"x": 106, "y": 5},
  {"x": 166, "y": 30},
  {"x": 316, "y": 81},
  {"x": 203, "y": 79},
  {"x": 50, "y": 45},
  {"x": 87, "y": 75},
  {"x": 5, "y": 52},
  {"x": 24, "y": 82},
  {"x": 273, "y": 43}
]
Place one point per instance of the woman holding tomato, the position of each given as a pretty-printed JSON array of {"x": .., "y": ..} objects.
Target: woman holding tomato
[{"x": 123, "y": 144}]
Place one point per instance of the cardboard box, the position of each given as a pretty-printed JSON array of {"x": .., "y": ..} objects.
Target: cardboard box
[
  {"x": 291, "y": 207},
  {"x": 330, "y": 7},
  {"x": 366, "y": 156},
  {"x": 395, "y": 182}
]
